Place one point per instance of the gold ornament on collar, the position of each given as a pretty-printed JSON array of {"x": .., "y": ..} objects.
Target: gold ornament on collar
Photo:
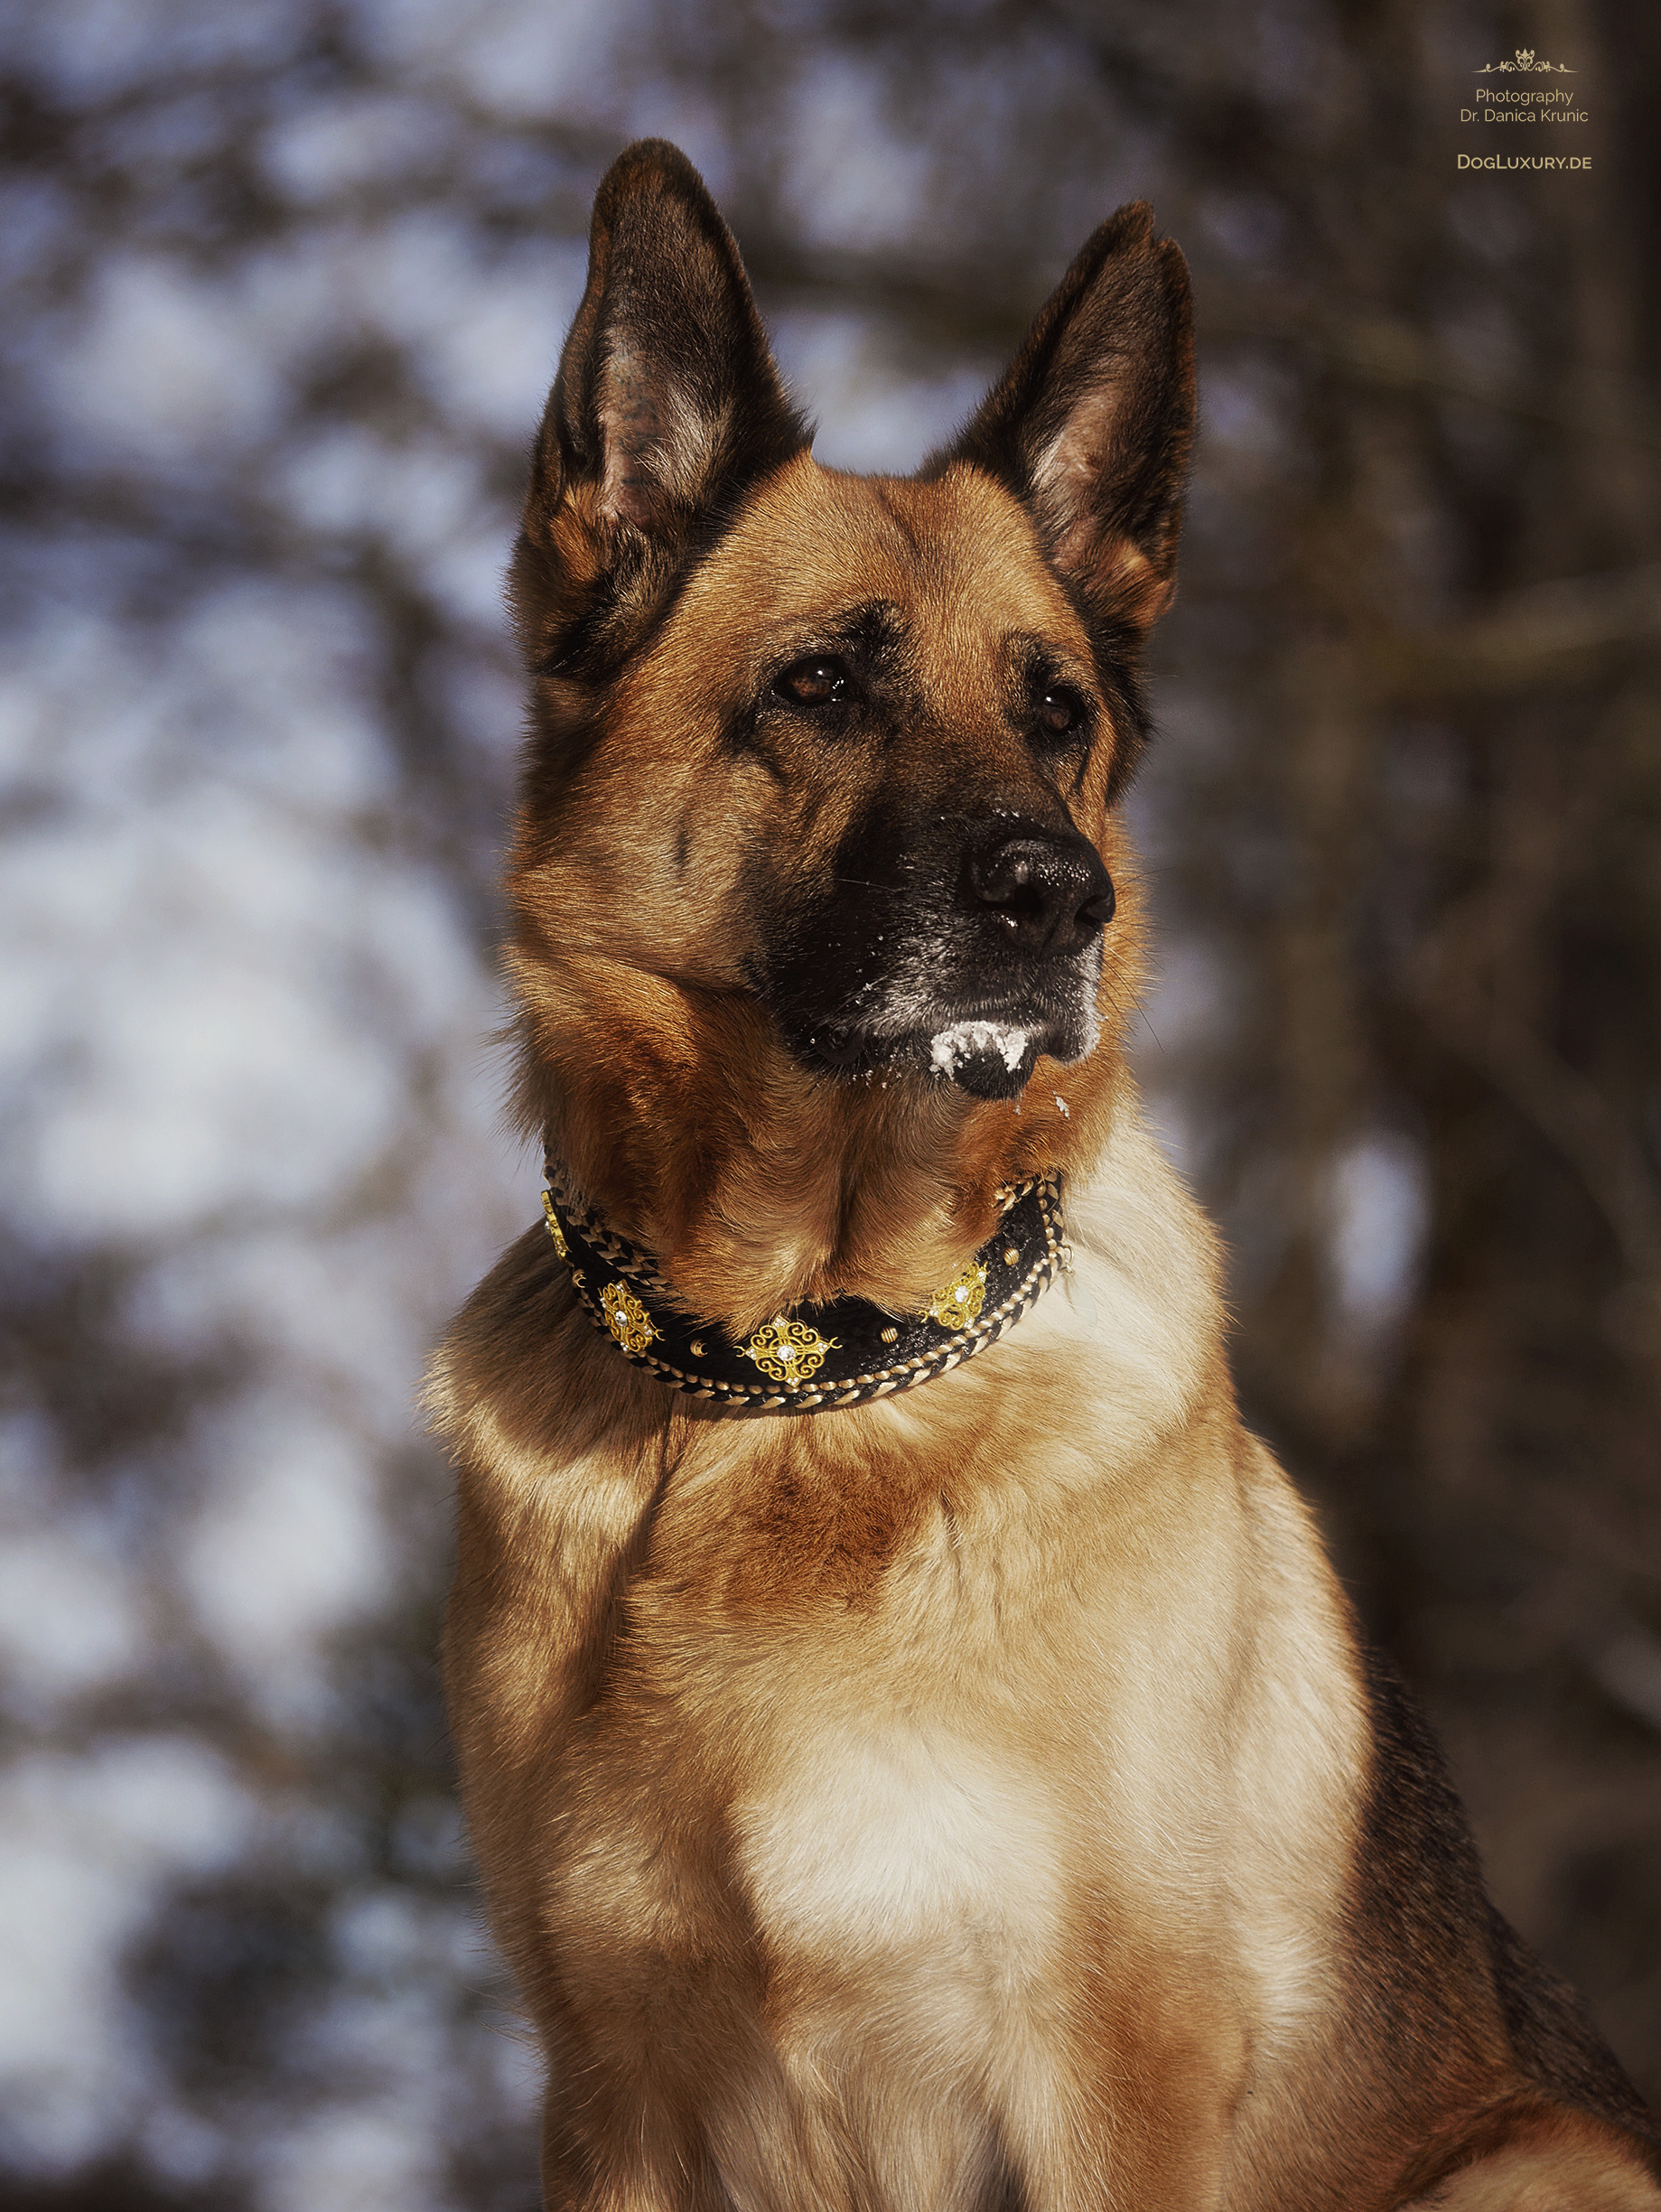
[
  {"x": 789, "y": 1351},
  {"x": 961, "y": 1300},
  {"x": 554, "y": 1231},
  {"x": 627, "y": 1317}
]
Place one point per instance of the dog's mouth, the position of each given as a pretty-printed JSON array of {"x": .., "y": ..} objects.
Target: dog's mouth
[{"x": 990, "y": 1053}]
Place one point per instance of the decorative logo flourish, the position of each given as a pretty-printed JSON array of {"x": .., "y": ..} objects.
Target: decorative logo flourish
[
  {"x": 1525, "y": 62},
  {"x": 627, "y": 1317},
  {"x": 789, "y": 1351},
  {"x": 960, "y": 1302}
]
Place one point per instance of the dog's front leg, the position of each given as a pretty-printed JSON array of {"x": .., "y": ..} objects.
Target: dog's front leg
[
  {"x": 645, "y": 2164},
  {"x": 1130, "y": 2108}
]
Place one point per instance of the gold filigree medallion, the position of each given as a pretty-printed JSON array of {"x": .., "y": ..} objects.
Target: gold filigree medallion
[
  {"x": 627, "y": 1317},
  {"x": 554, "y": 1231},
  {"x": 789, "y": 1351},
  {"x": 960, "y": 1302}
]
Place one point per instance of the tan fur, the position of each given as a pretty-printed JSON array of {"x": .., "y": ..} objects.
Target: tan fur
[
  {"x": 1551, "y": 2161},
  {"x": 950, "y": 1804}
]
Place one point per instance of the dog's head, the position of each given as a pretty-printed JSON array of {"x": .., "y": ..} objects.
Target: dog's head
[{"x": 842, "y": 752}]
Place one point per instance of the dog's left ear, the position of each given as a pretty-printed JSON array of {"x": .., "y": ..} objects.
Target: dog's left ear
[
  {"x": 666, "y": 405},
  {"x": 1092, "y": 426}
]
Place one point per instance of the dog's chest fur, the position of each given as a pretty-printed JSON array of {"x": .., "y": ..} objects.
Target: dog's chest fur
[
  {"x": 901, "y": 1864},
  {"x": 941, "y": 1751}
]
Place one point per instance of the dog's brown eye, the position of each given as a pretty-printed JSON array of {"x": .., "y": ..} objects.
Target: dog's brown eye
[
  {"x": 814, "y": 683},
  {"x": 1059, "y": 710}
]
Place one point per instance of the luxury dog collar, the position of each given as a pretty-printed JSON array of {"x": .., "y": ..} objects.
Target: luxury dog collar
[{"x": 815, "y": 1356}]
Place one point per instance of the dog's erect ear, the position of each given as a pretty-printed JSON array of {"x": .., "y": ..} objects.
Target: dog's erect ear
[
  {"x": 1093, "y": 423},
  {"x": 666, "y": 402}
]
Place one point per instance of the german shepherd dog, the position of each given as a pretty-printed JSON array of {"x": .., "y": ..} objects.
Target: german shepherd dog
[{"x": 918, "y": 1754}]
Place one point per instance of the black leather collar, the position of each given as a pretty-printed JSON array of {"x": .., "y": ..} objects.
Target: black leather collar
[{"x": 815, "y": 1356}]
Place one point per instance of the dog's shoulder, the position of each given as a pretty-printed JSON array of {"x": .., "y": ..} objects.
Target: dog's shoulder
[
  {"x": 522, "y": 1388},
  {"x": 1432, "y": 1958},
  {"x": 489, "y": 1355}
]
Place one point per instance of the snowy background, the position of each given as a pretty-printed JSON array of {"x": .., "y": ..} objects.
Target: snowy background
[{"x": 285, "y": 284}]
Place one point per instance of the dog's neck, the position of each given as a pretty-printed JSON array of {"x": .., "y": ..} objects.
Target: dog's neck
[{"x": 755, "y": 1185}]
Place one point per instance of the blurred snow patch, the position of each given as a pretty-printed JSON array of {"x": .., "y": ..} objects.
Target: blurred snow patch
[
  {"x": 263, "y": 684},
  {"x": 485, "y": 695},
  {"x": 517, "y": 2069},
  {"x": 855, "y": 184},
  {"x": 390, "y": 2038},
  {"x": 337, "y": 1309},
  {"x": 535, "y": 61},
  {"x": 181, "y": 2146},
  {"x": 1193, "y": 1006},
  {"x": 289, "y": 1546},
  {"x": 335, "y": 145},
  {"x": 1175, "y": 1130},
  {"x": 1381, "y": 1212},
  {"x": 518, "y": 58},
  {"x": 466, "y": 573},
  {"x": 70, "y": 1615},
  {"x": 187, "y": 1055},
  {"x": 387, "y": 1934},
  {"x": 873, "y": 414},
  {"x": 352, "y": 481},
  {"x": 426, "y": 502},
  {"x": 86, "y": 1842},
  {"x": 29, "y": 1461},
  {"x": 491, "y": 360},
  {"x": 166, "y": 365},
  {"x": 272, "y": 683},
  {"x": 376, "y": 2157},
  {"x": 203, "y": 1019},
  {"x": 88, "y": 47}
]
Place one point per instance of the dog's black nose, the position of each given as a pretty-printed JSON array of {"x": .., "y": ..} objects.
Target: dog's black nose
[{"x": 1049, "y": 889}]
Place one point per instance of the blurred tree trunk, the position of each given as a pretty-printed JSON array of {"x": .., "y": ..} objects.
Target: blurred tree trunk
[{"x": 1461, "y": 947}]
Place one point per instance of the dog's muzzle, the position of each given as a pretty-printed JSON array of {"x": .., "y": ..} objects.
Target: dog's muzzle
[{"x": 956, "y": 949}]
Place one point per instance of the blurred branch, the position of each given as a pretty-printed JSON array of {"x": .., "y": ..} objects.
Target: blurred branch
[
  {"x": 1566, "y": 1108},
  {"x": 1393, "y": 355},
  {"x": 1571, "y": 627}
]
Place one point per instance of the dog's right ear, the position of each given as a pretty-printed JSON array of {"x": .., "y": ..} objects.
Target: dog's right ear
[
  {"x": 666, "y": 407},
  {"x": 1092, "y": 426}
]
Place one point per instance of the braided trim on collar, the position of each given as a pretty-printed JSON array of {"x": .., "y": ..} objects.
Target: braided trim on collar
[{"x": 842, "y": 1352}]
